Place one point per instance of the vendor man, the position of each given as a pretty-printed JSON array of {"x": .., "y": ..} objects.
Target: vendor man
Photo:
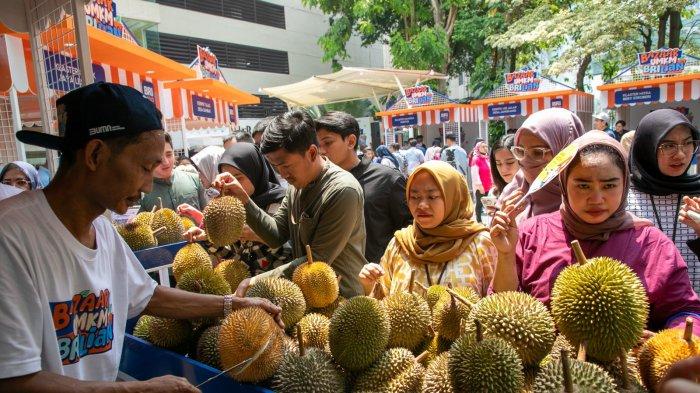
[
  {"x": 69, "y": 282},
  {"x": 322, "y": 207}
]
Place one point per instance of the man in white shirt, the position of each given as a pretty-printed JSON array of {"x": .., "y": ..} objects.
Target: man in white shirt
[
  {"x": 414, "y": 156},
  {"x": 69, "y": 282}
]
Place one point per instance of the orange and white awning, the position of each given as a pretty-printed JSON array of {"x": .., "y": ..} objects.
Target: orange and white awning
[
  {"x": 684, "y": 87},
  {"x": 527, "y": 104},
  {"x": 427, "y": 115}
]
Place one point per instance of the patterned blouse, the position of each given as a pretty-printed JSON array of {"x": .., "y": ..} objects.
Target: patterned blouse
[
  {"x": 473, "y": 268},
  {"x": 667, "y": 207}
]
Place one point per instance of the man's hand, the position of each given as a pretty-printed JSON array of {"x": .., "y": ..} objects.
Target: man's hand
[
  {"x": 194, "y": 234},
  {"x": 189, "y": 211},
  {"x": 167, "y": 384},
  {"x": 249, "y": 235},
  {"x": 268, "y": 306},
  {"x": 690, "y": 205},
  {"x": 682, "y": 377},
  {"x": 228, "y": 185},
  {"x": 242, "y": 287},
  {"x": 369, "y": 274}
]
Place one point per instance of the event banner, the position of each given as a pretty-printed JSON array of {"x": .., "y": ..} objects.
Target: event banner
[
  {"x": 102, "y": 14},
  {"x": 148, "y": 91},
  {"x": 556, "y": 103},
  {"x": 203, "y": 107},
  {"x": 444, "y": 116},
  {"x": 208, "y": 63},
  {"x": 405, "y": 120},
  {"x": 232, "y": 114},
  {"x": 648, "y": 94},
  {"x": 63, "y": 72},
  {"x": 522, "y": 81},
  {"x": 661, "y": 62},
  {"x": 512, "y": 109},
  {"x": 418, "y": 95}
]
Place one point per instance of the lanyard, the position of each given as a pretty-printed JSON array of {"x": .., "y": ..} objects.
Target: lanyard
[
  {"x": 430, "y": 279},
  {"x": 658, "y": 219}
]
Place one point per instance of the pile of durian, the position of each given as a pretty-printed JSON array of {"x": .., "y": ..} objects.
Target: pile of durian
[{"x": 436, "y": 339}]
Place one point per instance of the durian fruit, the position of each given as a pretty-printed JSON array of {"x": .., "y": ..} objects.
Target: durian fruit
[
  {"x": 137, "y": 236},
  {"x": 314, "y": 328},
  {"x": 432, "y": 347},
  {"x": 409, "y": 318},
  {"x": 602, "y": 303},
  {"x": 282, "y": 293},
  {"x": 437, "y": 376},
  {"x": 190, "y": 257},
  {"x": 665, "y": 348},
  {"x": 519, "y": 319},
  {"x": 163, "y": 332},
  {"x": 433, "y": 294},
  {"x": 584, "y": 377},
  {"x": 329, "y": 310},
  {"x": 250, "y": 333},
  {"x": 485, "y": 365},
  {"x": 167, "y": 218},
  {"x": 625, "y": 373},
  {"x": 449, "y": 312},
  {"x": 145, "y": 218},
  {"x": 317, "y": 281},
  {"x": 308, "y": 370},
  {"x": 202, "y": 279},
  {"x": 187, "y": 222},
  {"x": 359, "y": 333},
  {"x": 560, "y": 343},
  {"x": 208, "y": 347},
  {"x": 395, "y": 371},
  {"x": 224, "y": 218},
  {"x": 233, "y": 271},
  {"x": 290, "y": 345}
]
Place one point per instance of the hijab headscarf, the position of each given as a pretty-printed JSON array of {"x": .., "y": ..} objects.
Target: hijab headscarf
[
  {"x": 558, "y": 127},
  {"x": 247, "y": 158},
  {"x": 28, "y": 170},
  {"x": 621, "y": 219},
  {"x": 207, "y": 161},
  {"x": 644, "y": 165},
  {"x": 383, "y": 151},
  {"x": 454, "y": 234}
]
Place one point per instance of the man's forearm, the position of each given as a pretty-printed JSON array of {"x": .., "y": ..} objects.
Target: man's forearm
[
  {"x": 44, "y": 381},
  {"x": 264, "y": 226},
  {"x": 178, "y": 304}
]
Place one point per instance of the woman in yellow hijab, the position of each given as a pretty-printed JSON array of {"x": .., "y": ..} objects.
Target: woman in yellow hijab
[{"x": 444, "y": 244}]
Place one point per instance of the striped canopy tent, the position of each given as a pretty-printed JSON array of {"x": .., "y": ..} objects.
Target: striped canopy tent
[
  {"x": 513, "y": 108},
  {"x": 633, "y": 93}
]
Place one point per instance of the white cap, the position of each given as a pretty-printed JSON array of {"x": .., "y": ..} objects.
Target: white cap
[{"x": 602, "y": 116}]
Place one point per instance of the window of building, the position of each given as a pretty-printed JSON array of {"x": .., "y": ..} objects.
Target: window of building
[
  {"x": 269, "y": 106},
  {"x": 254, "y": 11}
]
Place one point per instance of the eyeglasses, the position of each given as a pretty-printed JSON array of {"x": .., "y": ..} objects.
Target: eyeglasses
[
  {"x": 22, "y": 183},
  {"x": 670, "y": 149},
  {"x": 535, "y": 153}
]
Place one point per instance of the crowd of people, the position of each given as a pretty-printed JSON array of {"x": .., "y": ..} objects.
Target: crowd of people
[{"x": 375, "y": 217}]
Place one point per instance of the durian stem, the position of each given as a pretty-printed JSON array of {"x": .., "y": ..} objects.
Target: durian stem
[
  {"x": 688, "y": 333},
  {"x": 160, "y": 203},
  {"x": 159, "y": 230},
  {"x": 153, "y": 209},
  {"x": 459, "y": 297},
  {"x": 300, "y": 341},
  {"x": 309, "y": 256},
  {"x": 625, "y": 372},
  {"x": 377, "y": 291},
  {"x": 411, "y": 280},
  {"x": 422, "y": 356},
  {"x": 568, "y": 383},
  {"x": 479, "y": 331},
  {"x": 580, "y": 256},
  {"x": 339, "y": 279},
  {"x": 582, "y": 349},
  {"x": 421, "y": 286}
]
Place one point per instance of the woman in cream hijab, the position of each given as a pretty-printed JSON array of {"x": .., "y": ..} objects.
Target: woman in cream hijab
[{"x": 444, "y": 244}]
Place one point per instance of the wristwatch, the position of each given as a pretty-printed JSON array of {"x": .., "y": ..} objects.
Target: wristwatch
[{"x": 228, "y": 304}]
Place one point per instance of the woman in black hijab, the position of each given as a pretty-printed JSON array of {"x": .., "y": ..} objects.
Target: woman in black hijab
[
  {"x": 247, "y": 164},
  {"x": 661, "y": 155}
]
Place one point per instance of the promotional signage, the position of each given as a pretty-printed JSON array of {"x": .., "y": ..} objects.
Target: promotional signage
[
  {"x": 522, "y": 81},
  {"x": 661, "y": 62},
  {"x": 512, "y": 109},
  {"x": 102, "y": 14},
  {"x": 203, "y": 107},
  {"x": 147, "y": 90},
  {"x": 444, "y": 116},
  {"x": 63, "y": 72},
  {"x": 232, "y": 115},
  {"x": 649, "y": 94},
  {"x": 418, "y": 95},
  {"x": 405, "y": 120},
  {"x": 556, "y": 103},
  {"x": 208, "y": 63}
]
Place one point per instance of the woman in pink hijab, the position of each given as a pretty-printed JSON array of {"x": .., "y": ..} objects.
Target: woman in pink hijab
[{"x": 538, "y": 140}]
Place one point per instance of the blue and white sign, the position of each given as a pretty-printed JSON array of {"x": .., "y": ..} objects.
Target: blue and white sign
[
  {"x": 203, "y": 107},
  {"x": 444, "y": 116},
  {"x": 405, "y": 120},
  {"x": 556, "y": 103},
  {"x": 648, "y": 94},
  {"x": 512, "y": 109},
  {"x": 63, "y": 72},
  {"x": 148, "y": 91}
]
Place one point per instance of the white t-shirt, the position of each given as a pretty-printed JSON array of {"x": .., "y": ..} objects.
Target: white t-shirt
[{"x": 64, "y": 306}]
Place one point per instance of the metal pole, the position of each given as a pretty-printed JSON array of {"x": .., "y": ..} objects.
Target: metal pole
[
  {"x": 403, "y": 93},
  {"x": 182, "y": 136},
  {"x": 17, "y": 122},
  {"x": 82, "y": 42}
]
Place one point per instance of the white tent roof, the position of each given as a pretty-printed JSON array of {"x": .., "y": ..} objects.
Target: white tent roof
[{"x": 349, "y": 84}]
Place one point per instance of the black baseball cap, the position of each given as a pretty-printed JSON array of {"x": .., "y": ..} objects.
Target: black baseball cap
[{"x": 97, "y": 111}]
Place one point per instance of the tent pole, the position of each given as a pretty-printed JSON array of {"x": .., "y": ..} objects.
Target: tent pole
[{"x": 403, "y": 93}]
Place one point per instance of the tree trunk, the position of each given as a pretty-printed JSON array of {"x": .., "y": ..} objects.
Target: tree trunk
[
  {"x": 581, "y": 74},
  {"x": 494, "y": 64},
  {"x": 513, "y": 58},
  {"x": 645, "y": 32},
  {"x": 674, "y": 30},
  {"x": 661, "y": 41}
]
